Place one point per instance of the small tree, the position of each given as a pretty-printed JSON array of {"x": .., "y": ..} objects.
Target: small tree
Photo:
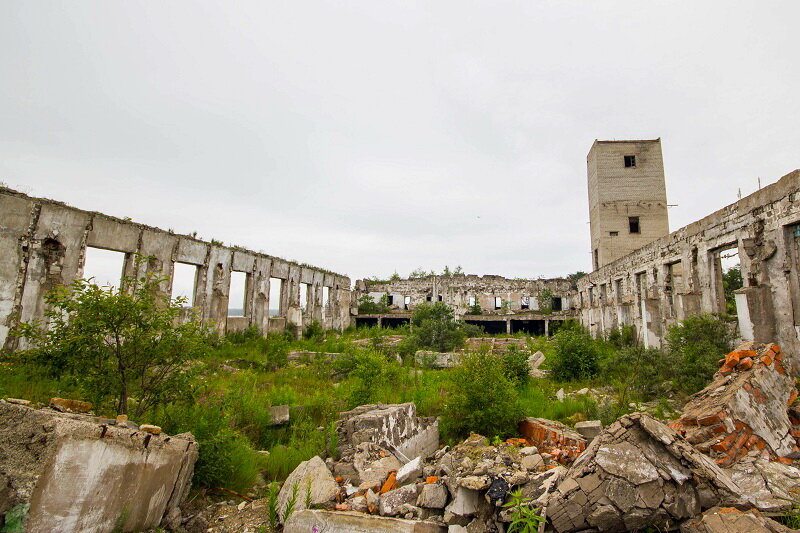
[
  {"x": 576, "y": 354},
  {"x": 435, "y": 328},
  {"x": 731, "y": 281},
  {"x": 481, "y": 398},
  {"x": 116, "y": 344}
]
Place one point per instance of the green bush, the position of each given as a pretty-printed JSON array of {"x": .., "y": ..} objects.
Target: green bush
[
  {"x": 622, "y": 337},
  {"x": 227, "y": 459},
  {"x": 314, "y": 332},
  {"x": 515, "y": 366},
  {"x": 576, "y": 354},
  {"x": 647, "y": 373},
  {"x": 373, "y": 373},
  {"x": 694, "y": 346},
  {"x": 434, "y": 327},
  {"x": 480, "y": 398}
]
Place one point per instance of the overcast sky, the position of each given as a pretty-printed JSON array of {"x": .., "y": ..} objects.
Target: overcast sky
[{"x": 374, "y": 136}]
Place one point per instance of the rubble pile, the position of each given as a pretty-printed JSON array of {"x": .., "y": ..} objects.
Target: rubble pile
[
  {"x": 746, "y": 409},
  {"x": 637, "y": 473},
  {"x": 553, "y": 438},
  {"x": 732, "y": 520}
]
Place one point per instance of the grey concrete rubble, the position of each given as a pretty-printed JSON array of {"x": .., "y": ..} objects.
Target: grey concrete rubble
[
  {"x": 53, "y": 465},
  {"x": 354, "y": 522},
  {"x": 279, "y": 415},
  {"x": 732, "y": 520},
  {"x": 429, "y": 359},
  {"x": 395, "y": 427},
  {"x": 589, "y": 428},
  {"x": 310, "y": 477},
  {"x": 638, "y": 473}
]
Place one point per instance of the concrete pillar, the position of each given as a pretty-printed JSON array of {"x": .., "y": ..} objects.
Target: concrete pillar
[
  {"x": 546, "y": 327},
  {"x": 508, "y": 326}
]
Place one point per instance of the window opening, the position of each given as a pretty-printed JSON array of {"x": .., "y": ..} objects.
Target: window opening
[
  {"x": 633, "y": 225},
  {"x": 630, "y": 161},
  {"x": 184, "y": 282},
  {"x": 237, "y": 294},
  {"x": 275, "y": 305},
  {"x": 105, "y": 266}
]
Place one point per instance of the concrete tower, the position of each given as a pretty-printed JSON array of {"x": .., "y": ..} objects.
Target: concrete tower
[{"x": 627, "y": 197}]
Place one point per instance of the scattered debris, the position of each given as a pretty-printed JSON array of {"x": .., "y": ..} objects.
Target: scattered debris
[
  {"x": 554, "y": 438},
  {"x": 70, "y": 406},
  {"x": 279, "y": 415},
  {"x": 732, "y": 520}
]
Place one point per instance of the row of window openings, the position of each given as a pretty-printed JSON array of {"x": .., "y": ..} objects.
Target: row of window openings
[
  {"x": 106, "y": 267},
  {"x": 525, "y": 301}
]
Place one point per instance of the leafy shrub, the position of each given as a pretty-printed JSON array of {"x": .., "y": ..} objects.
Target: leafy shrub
[
  {"x": 480, "y": 398},
  {"x": 624, "y": 336},
  {"x": 694, "y": 346},
  {"x": 368, "y": 306},
  {"x": 515, "y": 366},
  {"x": 314, "y": 332},
  {"x": 116, "y": 344},
  {"x": 434, "y": 327},
  {"x": 645, "y": 372},
  {"x": 372, "y": 372},
  {"x": 576, "y": 354},
  {"x": 227, "y": 459},
  {"x": 276, "y": 349},
  {"x": 243, "y": 336}
]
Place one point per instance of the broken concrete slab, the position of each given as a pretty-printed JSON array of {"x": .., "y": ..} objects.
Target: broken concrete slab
[
  {"x": 309, "y": 476},
  {"x": 429, "y": 359},
  {"x": 55, "y": 464},
  {"x": 395, "y": 427},
  {"x": 732, "y": 520},
  {"x": 433, "y": 496},
  {"x": 770, "y": 485},
  {"x": 373, "y": 464},
  {"x": 391, "y": 502},
  {"x": 637, "y": 473},
  {"x": 589, "y": 429},
  {"x": 410, "y": 471},
  {"x": 354, "y": 522}
]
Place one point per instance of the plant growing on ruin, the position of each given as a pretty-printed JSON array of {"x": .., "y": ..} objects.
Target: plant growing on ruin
[
  {"x": 434, "y": 327},
  {"x": 545, "y": 299},
  {"x": 125, "y": 345},
  {"x": 694, "y": 345},
  {"x": 524, "y": 518},
  {"x": 515, "y": 366},
  {"x": 272, "y": 506},
  {"x": 291, "y": 503},
  {"x": 731, "y": 281},
  {"x": 576, "y": 355},
  {"x": 480, "y": 398},
  {"x": 368, "y": 306}
]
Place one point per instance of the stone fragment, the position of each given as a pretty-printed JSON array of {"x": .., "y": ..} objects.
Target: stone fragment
[
  {"x": 410, "y": 471},
  {"x": 589, "y": 428},
  {"x": 311, "y": 474},
  {"x": 433, "y": 496},
  {"x": 560, "y": 395},
  {"x": 474, "y": 482},
  {"x": 465, "y": 502},
  {"x": 732, "y": 520},
  {"x": 532, "y": 462},
  {"x": 18, "y": 401},
  {"x": 627, "y": 461},
  {"x": 153, "y": 430},
  {"x": 389, "y": 503},
  {"x": 70, "y": 406}
]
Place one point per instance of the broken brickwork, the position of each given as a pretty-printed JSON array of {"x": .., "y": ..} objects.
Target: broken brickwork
[
  {"x": 561, "y": 442},
  {"x": 745, "y": 409}
]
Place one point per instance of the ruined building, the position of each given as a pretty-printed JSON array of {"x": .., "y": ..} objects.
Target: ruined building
[
  {"x": 643, "y": 275},
  {"x": 44, "y": 243},
  {"x": 627, "y": 198}
]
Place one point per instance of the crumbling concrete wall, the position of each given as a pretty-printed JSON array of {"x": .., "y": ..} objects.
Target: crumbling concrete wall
[
  {"x": 680, "y": 274},
  {"x": 81, "y": 473},
  {"x": 43, "y": 244},
  {"x": 395, "y": 427}
]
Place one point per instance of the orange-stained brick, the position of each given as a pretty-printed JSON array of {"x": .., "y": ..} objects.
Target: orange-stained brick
[
  {"x": 390, "y": 483},
  {"x": 732, "y": 358},
  {"x": 719, "y": 429},
  {"x": 745, "y": 364},
  {"x": 710, "y": 420},
  {"x": 516, "y": 441},
  {"x": 761, "y": 444},
  {"x": 689, "y": 420},
  {"x": 774, "y": 348},
  {"x": 721, "y": 362},
  {"x": 779, "y": 356},
  {"x": 726, "y": 369},
  {"x": 342, "y": 507},
  {"x": 784, "y": 460},
  {"x": 779, "y": 368},
  {"x": 746, "y": 353},
  {"x": 739, "y": 425},
  {"x": 431, "y": 479},
  {"x": 792, "y": 397},
  {"x": 766, "y": 359},
  {"x": 751, "y": 441}
]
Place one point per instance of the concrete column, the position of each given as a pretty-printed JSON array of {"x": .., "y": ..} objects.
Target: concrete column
[
  {"x": 546, "y": 327},
  {"x": 508, "y": 326}
]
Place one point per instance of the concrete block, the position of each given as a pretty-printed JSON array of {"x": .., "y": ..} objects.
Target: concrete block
[{"x": 354, "y": 522}]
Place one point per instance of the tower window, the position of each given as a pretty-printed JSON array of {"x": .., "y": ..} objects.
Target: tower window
[
  {"x": 633, "y": 225},
  {"x": 630, "y": 161},
  {"x": 613, "y": 233}
]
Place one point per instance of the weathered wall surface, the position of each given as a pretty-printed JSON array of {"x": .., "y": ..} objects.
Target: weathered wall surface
[
  {"x": 457, "y": 290},
  {"x": 617, "y": 192},
  {"x": 78, "y": 473},
  {"x": 43, "y": 243},
  {"x": 681, "y": 274}
]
